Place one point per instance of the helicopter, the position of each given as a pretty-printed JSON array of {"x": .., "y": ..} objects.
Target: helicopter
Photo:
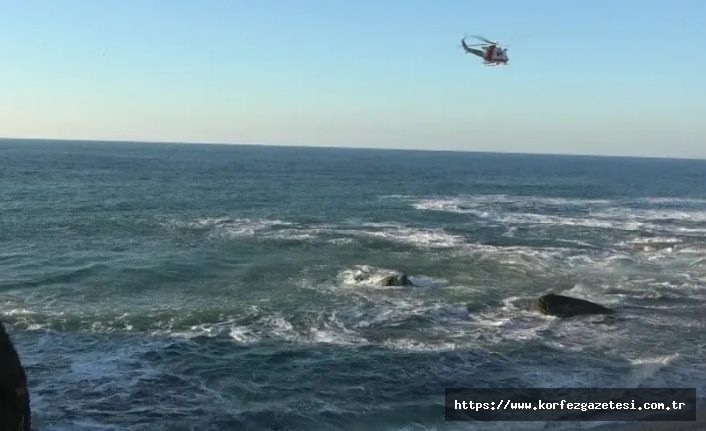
[{"x": 491, "y": 53}]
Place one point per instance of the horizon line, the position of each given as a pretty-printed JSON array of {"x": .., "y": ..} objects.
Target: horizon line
[{"x": 345, "y": 147}]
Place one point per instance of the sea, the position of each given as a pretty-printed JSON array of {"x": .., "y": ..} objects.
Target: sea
[{"x": 223, "y": 287}]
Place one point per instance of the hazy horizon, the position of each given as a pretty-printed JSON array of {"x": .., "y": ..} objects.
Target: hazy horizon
[
  {"x": 589, "y": 78},
  {"x": 342, "y": 147}
]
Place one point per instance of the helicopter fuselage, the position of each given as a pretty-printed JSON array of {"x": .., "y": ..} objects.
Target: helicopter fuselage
[{"x": 492, "y": 54}]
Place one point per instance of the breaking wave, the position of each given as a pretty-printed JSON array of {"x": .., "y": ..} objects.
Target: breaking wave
[
  {"x": 605, "y": 214},
  {"x": 344, "y": 233}
]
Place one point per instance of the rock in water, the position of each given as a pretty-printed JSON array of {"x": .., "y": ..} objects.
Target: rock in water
[
  {"x": 396, "y": 280},
  {"x": 566, "y": 306},
  {"x": 15, "y": 414}
]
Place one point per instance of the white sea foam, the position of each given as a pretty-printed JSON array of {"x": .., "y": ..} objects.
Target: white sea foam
[
  {"x": 647, "y": 368},
  {"x": 227, "y": 226},
  {"x": 606, "y": 214},
  {"x": 501, "y": 210},
  {"x": 651, "y": 215},
  {"x": 470, "y": 201},
  {"x": 672, "y": 200},
  {"x": 506, "y": 217},
  {"x": 235, "y": 228},
  {"x": 427, "y": 238}
]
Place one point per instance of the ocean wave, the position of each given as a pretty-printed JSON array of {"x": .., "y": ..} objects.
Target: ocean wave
[
  {"x": 505, "y": 211},
  {"x": 599, "y": 213},
  {"x": 483, "y": 200},
  {"x": 344, "y": 233},
  {"x": 551, "y": 200},
  {"x": 545, "y": 351},
  {"x": 226, "y": 226},
  {"x": 634, "y": 253},
  {"x": 651, "y": 215}
]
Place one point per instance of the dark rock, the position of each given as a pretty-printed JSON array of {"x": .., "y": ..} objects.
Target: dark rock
[
  {"x": 566, "y": 306},
  {"x": 396, "y": 280},
  {"x": 15, "y": 414}
]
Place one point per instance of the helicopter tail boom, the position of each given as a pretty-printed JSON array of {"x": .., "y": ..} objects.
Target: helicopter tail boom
[{"x": 470, "y": 50}]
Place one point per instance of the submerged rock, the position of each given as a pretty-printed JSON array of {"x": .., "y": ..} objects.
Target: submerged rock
[
  {"x": 566, "y": 306},
  {"x": 15, "y": 413}
]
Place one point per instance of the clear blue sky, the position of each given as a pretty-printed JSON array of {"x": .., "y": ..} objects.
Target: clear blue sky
[{"x": 585, "y": 76}]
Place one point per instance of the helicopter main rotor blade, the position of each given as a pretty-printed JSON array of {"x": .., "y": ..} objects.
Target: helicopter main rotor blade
[
  {"x": 484, "y": 40},
  {"x": 465, "y": 36}
]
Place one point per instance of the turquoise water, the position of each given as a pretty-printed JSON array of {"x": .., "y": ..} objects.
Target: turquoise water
[{"x": 192, "y": 287}]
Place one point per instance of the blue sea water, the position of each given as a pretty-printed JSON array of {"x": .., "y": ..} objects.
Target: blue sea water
[{"x": 204, "y": 287}]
